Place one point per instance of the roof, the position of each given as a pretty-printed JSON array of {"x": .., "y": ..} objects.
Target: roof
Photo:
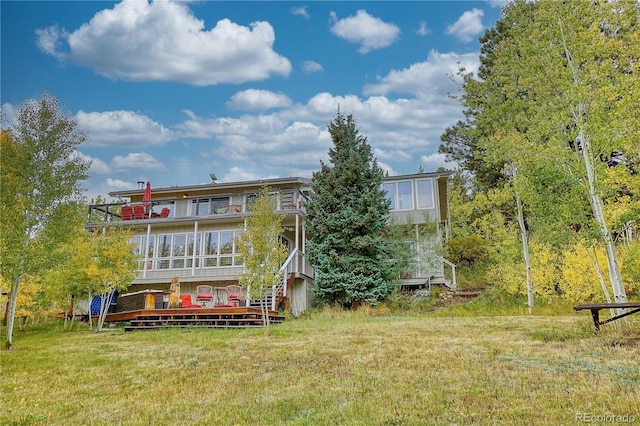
[{"x": 275, "y": 182}]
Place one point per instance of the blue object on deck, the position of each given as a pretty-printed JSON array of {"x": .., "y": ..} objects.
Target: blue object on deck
[{"x": 95, "y": 303}]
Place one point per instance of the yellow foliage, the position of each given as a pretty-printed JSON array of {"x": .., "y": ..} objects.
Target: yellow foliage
[{"x": 579, "y": 278}]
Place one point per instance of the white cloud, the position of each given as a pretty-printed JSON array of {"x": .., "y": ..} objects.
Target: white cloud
[
  {"x": 311, "y": 66},
  {"x": 391, "y": 155},
  {"x": 300, "y": 11},
  {"x": 423, "y": 30},
  {"x": 115, "y": 184},
  {"x": 425, "y": 79},
  {"x": 433, "y": 161},
  {"x": 122, "y": 128},
  {"x": 136, "y": 161},
  {"x": 164, "y": 41},
  {"x": 467, "y": 26},
  {"x": 97, "y": 165},
  {"x": 370, "y": 32},
  {"x": 258, "y": 100},
  {"x": 49, "y": 40}
]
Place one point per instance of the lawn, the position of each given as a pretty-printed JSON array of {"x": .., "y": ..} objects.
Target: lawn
[{"x": 329, "y": 368}]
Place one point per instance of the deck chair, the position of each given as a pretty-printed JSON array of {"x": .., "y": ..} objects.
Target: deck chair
[
  {"x": 204, "y": 294},
  {"x": 127, "y": 212},
  {"x": 234, "y": 294},
  {"x": 165, "y": 212},
  {"x": 138, "y": 212},
  {"x": 186, "y": 302}
]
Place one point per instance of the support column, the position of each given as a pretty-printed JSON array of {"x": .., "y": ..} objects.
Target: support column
[{"x": 146, "y": 252}]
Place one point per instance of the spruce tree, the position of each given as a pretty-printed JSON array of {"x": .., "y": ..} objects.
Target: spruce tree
[{"x": 346, "y": 217}]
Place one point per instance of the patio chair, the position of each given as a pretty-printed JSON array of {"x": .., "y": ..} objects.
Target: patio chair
[
  {"x": 234, "y": 294},
  {"x": 204, "y": 294},
  {"x": 165, "y": 212},
  {"x": 186, "y": 302},
  {"x": 127, "y": 212},
  {"x": 138, "y": 212}
]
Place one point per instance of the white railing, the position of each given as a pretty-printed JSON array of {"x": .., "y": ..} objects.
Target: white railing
[{"x": 454, "y": 285}]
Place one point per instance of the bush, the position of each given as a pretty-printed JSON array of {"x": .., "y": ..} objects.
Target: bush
[{"x": 467, "y": 250}]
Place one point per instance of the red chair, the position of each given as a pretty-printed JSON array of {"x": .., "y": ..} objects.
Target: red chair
[
  {"x": 165, "y": 212},
  {"x": 127, "y": 212},
  {"x": 234, "y": 294},
  {"x": 204, "y": 294},
  {"x": 138, "y": 212},
  {"x": 186, "y": 302}
]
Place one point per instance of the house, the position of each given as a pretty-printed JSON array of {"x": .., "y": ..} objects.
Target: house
[
  {"x": 189, "y": 233},
  {"x": 420, "y": 200}
]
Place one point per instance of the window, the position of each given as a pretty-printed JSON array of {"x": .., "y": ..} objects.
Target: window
[
  {"x": 390, "y": 189},
  {"x": 200, "y": 207},
  {"x": 208, "y": 206},
  {"x": 179, "y": 250},
  {"x": 164, "y": 250},
  {"x": 424, "y": 189},
  {"x": 193, "y": 247},
  {"x": 400, "y": 194},
  {"x": 220, "y": 249}
]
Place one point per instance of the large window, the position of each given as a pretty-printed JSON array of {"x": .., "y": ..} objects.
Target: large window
[
  {"x": 424, "y": 189},
  {"x": 209, "y": 206},
  {"x": 409, "y": 195},
  {"x": 400, "y": 194},
  {"x": 220, "y": 249},
  {"x": 179, "y": 250}
]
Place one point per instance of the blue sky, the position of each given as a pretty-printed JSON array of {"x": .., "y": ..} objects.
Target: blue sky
[{"x": 169, "y": 92}]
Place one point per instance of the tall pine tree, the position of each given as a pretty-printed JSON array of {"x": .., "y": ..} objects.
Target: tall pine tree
[{"x": 346, "y": 216}]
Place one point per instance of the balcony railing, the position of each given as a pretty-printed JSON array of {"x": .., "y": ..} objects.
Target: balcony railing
[{"x": 180, "y": 208}]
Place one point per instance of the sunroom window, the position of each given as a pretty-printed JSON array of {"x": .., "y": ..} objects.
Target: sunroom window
[
  {"x": 424, "y": 189},
  {"x": 400, "y": 194}
]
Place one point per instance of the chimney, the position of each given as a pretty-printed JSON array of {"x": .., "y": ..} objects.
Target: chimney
[{"x": 140, "y": 184}]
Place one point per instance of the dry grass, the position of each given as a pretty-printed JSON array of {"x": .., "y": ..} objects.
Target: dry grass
[{"x": 328, "y": 368}]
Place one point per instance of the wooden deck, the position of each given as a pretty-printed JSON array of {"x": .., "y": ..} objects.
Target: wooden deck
[{"x": 223, "y": 317}]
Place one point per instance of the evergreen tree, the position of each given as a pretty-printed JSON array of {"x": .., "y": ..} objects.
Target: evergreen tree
[{"x": 346, "y": 217}]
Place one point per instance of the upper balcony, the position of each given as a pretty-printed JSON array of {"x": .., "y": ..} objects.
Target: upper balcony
[{"x": 224, "y": 201}]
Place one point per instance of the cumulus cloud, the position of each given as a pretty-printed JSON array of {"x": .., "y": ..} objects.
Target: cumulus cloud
[
  {"x": 311, "y": 66},
  {"x": 468, "y": 26},
  {"x": 433, "y": 161},
  {"x": 164, "y": 41},
  {"x": 116, "y": 184},
  {"x": 427, "y": 79},
  {"x": 122, "y": 128},
  {"x": 258, "y": 100},
  {"x": 136, "y": 161},
  {"x": 97, "y": 165},
  {"x": 370, "y": 32}
]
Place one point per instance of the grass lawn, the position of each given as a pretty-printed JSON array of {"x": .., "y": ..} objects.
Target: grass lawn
[{"x": 329, "y": 368}]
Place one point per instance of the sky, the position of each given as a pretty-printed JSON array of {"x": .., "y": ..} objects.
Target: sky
[{"x": 169, "y": 92}]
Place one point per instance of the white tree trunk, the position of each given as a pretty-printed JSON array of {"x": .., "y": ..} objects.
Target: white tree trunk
[
  {"x": 615, "y": 276},
  {"x": 578, "y": 113},
  {"x": 525, "y": 251},
  {"x": 13, "y": 298}
]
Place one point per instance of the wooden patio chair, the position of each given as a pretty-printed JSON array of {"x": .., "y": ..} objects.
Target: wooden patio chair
[
  {"x": 138, "y": 212},
  {"x": 234, "y": 294},
  {"x": 204, "y": 294},
  {"x": 127, "y": 212}
]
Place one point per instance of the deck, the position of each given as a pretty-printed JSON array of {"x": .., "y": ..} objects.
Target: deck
[{"x": 221, "y": 317}]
